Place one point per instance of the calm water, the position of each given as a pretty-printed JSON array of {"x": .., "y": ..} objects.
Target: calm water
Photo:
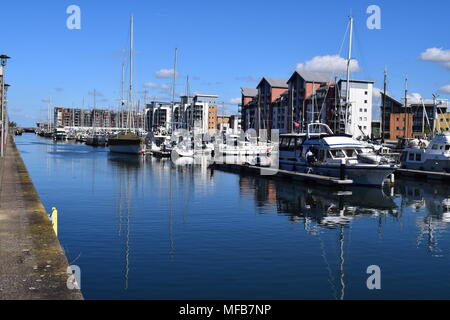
[{"x": 150, "y": 229}]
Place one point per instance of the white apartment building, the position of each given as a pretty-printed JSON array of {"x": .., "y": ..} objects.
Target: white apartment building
[
  {"x": 159, "y": 116},
  {"x": 361, "y": 101}
]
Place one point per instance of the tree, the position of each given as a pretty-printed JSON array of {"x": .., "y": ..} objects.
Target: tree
[{"x": 12, "y": 125}]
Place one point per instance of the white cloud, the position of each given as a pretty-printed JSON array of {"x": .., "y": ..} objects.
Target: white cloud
[
  {"x": 414, "y": 98},
  {"x": 235, "y": 101},
  {"x": 165, "y": 73},
  {"x": 156, "y": 86},
  {"x": 437, "y": 55},
  {"x": 445, "y": 89},
  {"x": 328, "y": 64}
]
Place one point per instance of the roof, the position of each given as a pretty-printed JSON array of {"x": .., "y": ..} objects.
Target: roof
[
  {"x": 391, "y": 98},
  {"x": 276, "y": 82},
  {"x": 249, "y": 92},
  {"x": 310, "y": 76},
  {"x": 205, "y": 95},
  {"x": 357, "y": 81}
]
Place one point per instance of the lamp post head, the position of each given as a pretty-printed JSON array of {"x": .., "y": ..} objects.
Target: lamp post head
[{"x": 3, "y": 59}]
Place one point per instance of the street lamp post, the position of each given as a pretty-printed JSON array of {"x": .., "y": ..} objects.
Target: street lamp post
[{"x": 3, "y": 60}]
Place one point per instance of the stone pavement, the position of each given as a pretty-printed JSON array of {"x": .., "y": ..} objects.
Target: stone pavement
[{"x": 32, "y": 263}]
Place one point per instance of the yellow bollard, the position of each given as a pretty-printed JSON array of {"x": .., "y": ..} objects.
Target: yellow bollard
[{"x": 55, "y": 220}]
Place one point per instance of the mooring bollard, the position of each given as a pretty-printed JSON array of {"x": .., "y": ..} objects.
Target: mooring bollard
[{"x": 54, "y": 219}]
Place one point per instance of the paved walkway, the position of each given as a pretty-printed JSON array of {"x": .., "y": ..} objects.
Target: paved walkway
[{"x": 32, "y": 262}]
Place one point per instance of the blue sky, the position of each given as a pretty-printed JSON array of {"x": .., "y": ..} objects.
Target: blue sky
[{"x": 223, "y": 45}]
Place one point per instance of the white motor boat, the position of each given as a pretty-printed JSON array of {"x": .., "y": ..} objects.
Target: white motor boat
[
  {"x": 424, "y": 156},
  {"x": 60, "y": 134},
  {"x": 333, "y": 155},
  {"x": 236, "y": 147}
]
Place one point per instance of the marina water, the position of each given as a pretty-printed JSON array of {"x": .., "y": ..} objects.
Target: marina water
[{"x": 143, "y": 228}]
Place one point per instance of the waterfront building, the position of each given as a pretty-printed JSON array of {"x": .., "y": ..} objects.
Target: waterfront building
[
  {"x": 98, "y": 118},
  {"x": 360, "y": 114},
  {"x": 288, "y": 105},
  {"x": 280, "y": 113},
  {"x": 199, "y": 112},
  {"x": 302, "y": 85},
  {"x": 442, "y": 123},
  {"x": 224, "y": 124},
  {"x": 376, "y": 128},
  {"x": 269, "y": 90},
  {"x": 401, "y": 126},
  {"x": 248, "y": 107},
  {"x": 159, "y": 116},
  {"x": 424, "y": 118}
]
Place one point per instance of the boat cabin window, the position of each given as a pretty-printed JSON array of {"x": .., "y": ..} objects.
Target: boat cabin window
[
  {"x": 290, "y": 143},
  {"x": 435, "y": 147},
  {"x": 447, "y": 148},
  {"x": 293, "y": 143},
  {"x": 418, "y": 157},
  {"x": 284, "y": 144},
  {"x": 351, "y": 153},
  {"x": 411, "y": 156},
  {"x": 337, "y": 154}
]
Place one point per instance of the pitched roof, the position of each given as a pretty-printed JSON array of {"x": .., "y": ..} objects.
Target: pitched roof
[
  {"x": 276, "y": 82},
  {"x": 310, "y": 76},
  {"x": 249, "y": 92}
]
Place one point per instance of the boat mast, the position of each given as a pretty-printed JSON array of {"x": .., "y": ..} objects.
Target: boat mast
[
  {"x": 406, "y": 107},
  {"x": 174, "y": 88},
  {"x": 122, "y": 102},
  {"x": 188, "y": 94},
  {"x": 347, "y": 98},
  {"x": 49, "y": 126},
  {"x": 383, "y": 108},
  {"x": 130, "y": 93}
]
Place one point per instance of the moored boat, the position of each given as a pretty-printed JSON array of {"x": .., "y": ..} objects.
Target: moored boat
[
  {"x": 423, "y": 156},
  {"x": 129, "y": 143},
  {"x": 321, "y": 152}
]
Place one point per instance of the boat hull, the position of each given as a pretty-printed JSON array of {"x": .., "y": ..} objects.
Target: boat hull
[
  {"x": 126, "y": 148},
  {"x": 439, "y": 165},
  {"x": 363, "y": 175}
]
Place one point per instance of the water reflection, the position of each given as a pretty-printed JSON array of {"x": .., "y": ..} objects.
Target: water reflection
[
  {"x": 327, "y": 207},
  {"x": 434, "y": 199}
]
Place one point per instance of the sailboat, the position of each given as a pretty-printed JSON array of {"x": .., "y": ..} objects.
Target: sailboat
[{"x": 127, "y": 142}]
